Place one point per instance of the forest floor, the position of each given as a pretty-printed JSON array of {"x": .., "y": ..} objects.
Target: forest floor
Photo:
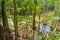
[{"x": 23, "y": 21}]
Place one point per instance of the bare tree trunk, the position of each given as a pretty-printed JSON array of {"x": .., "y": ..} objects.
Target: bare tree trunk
[
  {"x": 34, "y": 18},
  {"x": 6, "y": 32},
  {"x": 4, "y": 21},
  {"x": 15, "y": 20},
  {"x": 1, "y": 31}
]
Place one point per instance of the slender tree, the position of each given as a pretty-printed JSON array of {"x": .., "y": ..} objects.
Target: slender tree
[
  {"x": 6, "y": 32},
  {"x": 40, "y": 12},
  {"x": 34, "y": 18},
  {"x": 15, "y": 20}
]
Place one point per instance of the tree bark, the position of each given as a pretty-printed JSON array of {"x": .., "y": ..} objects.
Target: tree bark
[
  {"x": 15, "y": 20},
  {"x": 6, "y": 32},
  {"x": 1, "y": 31},
  {"x": 34, "y": 28}
]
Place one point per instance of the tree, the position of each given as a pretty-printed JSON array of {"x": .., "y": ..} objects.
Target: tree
[
  {"x": 34, "y": 28},
  {"x": 1, "y": 31},
  {"x": 15, "y": 20},
  {"x": 6, "y": 32}
]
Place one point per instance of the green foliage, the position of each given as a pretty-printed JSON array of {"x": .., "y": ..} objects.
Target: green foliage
[
  {"x": 31, "y": 38},
  {"x": 0, "y": 1},
  {"x": 29, "y": 5},
  {"x": 52, "y": 36},
  {"x": 39, "y": 32},
  {"x": 11, "y": 30},
  {"x": 0, "y": 13},
  {"x": 58, "y": 13},
  {"x": 9, "y": 1}
]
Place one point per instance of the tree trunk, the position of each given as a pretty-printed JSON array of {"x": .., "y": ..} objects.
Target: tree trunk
[
  {"x": 15, "y": 20},
  {"x": 1, "y": 31},
  {"x": 6, "y": 32},
  {"x": 34, "y": 28}
]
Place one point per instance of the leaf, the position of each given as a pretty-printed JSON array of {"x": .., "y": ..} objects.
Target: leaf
[{"x": 9, "y": 1}]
